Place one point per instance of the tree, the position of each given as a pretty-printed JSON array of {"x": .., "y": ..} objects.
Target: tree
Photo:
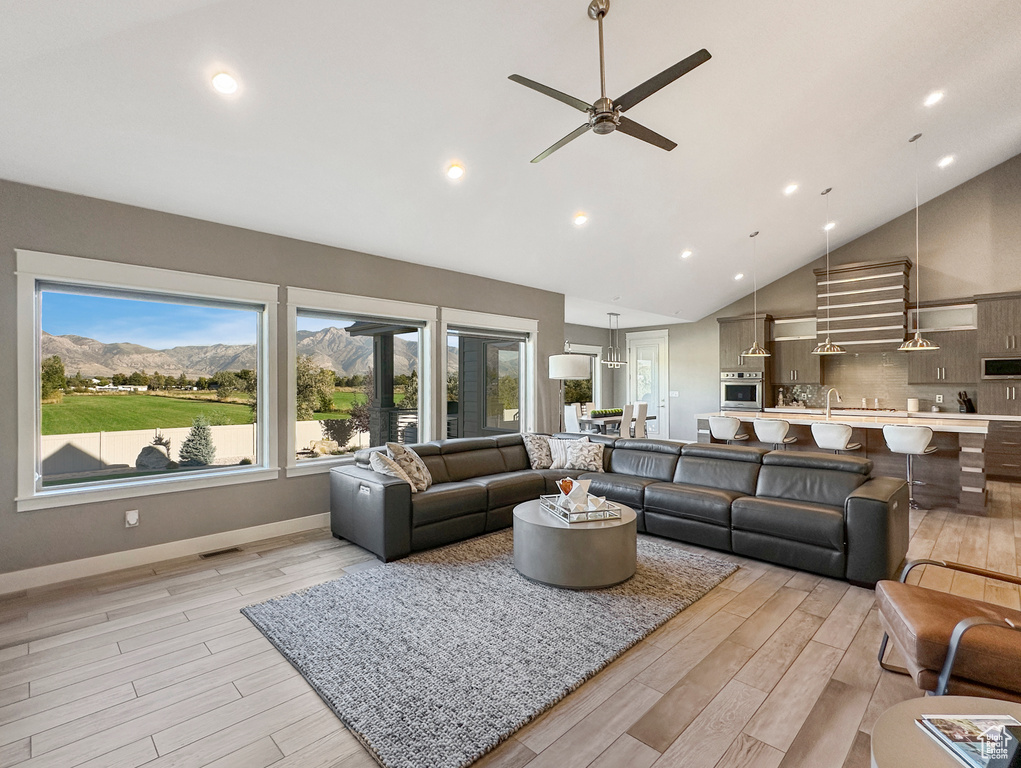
[
  {"x": 202, "y": 382},
  {"x": 578, "y": 391},
  {"x": 452, "y": 385},
  {"x": 182, "y": 381},
  {"x": 360, "y": 406},
  {"x": 157, "y": 381},
  {"x": 337, "y": 429},
  {"x": 198, "y": 450},
  {"x": 138, "y": 379},
  {"x": 410, "y": 400},
  {"x": 314, "y": 388},
  {"x": 52, "y": 378},
  {"x": 119, "y": 379},
  {"x": 226, "y": 384}
]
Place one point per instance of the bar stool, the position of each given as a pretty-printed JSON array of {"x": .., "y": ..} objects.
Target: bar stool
[
  {"x": 834, "y": 437},
  {"x": 911, "y": 441},
  {"x": 725, "y": 428},
  {"x": 773, "y": 431}
]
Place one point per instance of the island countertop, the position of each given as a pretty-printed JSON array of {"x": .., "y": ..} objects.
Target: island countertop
[{"x": 938, "y": 422}]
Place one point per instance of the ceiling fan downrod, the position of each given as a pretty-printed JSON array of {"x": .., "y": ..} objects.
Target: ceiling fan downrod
[{"x": 605, "y": 118}]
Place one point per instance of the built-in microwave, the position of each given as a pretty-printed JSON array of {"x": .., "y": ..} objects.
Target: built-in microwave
[
  {"x": 1001, "y": 368},
  {"x": 741, "y": 391}
]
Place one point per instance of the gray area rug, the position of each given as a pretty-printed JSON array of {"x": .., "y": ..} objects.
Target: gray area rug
[{"x": 433, "y": 660}]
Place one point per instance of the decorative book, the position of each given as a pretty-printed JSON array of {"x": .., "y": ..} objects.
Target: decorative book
[{"x": 977, "y": 741}]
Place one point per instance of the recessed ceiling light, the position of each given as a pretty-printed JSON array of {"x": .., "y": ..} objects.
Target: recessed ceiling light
[
  {"x": 685, "y": 254},
  {"x": 933, "y": 98},
  {"x": 224, "y": 83},
  {"x": 829, "y": 225},
  {"x": 580, "y": 219},
  {"x": 790, "y": 189},
  {"x": 455, "y": 172},
  {"x": 739, "y": 276},
  {"x": 945, "y": 161}
]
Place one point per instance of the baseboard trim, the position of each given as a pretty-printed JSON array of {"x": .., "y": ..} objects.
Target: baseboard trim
[{"x": 45, "y": 575}]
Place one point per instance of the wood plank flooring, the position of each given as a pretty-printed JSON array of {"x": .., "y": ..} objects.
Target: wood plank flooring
[{"x": 154, "y": 666}]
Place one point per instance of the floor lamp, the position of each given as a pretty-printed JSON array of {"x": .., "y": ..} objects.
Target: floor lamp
[{"x": 568, "y": 366}]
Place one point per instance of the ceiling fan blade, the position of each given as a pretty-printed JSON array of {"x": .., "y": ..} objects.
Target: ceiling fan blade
[
  {"x": 631, "y": 128},
  {"x": 663, "y": 79},
  {"x": 551, "y": 92},
  {"x": 569, "y": 137}
]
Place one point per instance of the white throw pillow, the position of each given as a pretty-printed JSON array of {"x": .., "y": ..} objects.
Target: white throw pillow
[
  {"x": 383, "y": 464},
  {"x": 558, "y": 450}
]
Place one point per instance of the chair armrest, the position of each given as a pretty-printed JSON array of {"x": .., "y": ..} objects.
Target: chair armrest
[
  {"x": 371, "y": 510},
  {"x": 1010, "y": 579},
  {"x": 955, "y": 641},
  {"x": 876, "y": 529}
]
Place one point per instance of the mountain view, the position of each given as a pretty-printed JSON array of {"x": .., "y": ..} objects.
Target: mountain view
[{"x": 331, "y": 348}]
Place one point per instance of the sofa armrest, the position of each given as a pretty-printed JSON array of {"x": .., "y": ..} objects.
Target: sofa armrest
[
  {"x": 371, "y": 510},
  {"x": 876, "y": 519}
]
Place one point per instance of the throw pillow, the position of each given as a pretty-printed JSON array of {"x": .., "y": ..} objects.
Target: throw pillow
[
  {"x": 412, "y": 464},
  {"x": 585, "y": 456},
  {"x": 537, "y": 447},
  {"x": 558, "y": 450},
  {"x": 383, "y": 464}
]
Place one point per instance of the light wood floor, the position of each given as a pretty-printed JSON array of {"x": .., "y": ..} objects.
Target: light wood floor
[{"x": 155, "y": 666}]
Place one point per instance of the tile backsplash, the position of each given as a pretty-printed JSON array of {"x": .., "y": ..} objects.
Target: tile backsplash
[{"x": 871, "y": 375}]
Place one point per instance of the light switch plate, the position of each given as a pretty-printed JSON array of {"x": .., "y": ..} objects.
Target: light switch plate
[{"x": 939, "y": 398}]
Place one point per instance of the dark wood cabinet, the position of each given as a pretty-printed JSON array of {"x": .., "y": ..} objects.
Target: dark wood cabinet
[
  {"x": 737, "y": 335},
  {"x": 1003, "y": 450},
  {"x": 794, "y": 363},
  {"x": 999, "y": 324},
  {"x": 955, "y": 362},
  {"x": 1000, "y": 397}
]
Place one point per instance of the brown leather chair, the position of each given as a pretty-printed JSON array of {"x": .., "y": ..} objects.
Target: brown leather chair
[{"x": 952, "y": 645}]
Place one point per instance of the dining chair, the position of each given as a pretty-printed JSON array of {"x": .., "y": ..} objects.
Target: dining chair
[
  {"x": 572, "y": 415},
  {"x": 624, "y": 428},
  {"x": 641, "y": 413},
  {"x": 587, "y": 408}
]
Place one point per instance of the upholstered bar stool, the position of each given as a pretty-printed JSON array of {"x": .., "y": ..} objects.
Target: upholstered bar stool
[
  {"x": 725, "y": 428},
  {"x": 834, "y": 437},
  {"x": 911, "y": 441},
  {"x": 773, "y": 431}
]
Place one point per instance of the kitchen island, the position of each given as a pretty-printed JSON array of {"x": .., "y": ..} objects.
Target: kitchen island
[{"x": 954, "y": 475}]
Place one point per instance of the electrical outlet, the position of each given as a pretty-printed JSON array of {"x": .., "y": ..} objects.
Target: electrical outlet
[
  {"x": 939, "y": 398},
  {"x": 131, "y": 518}
]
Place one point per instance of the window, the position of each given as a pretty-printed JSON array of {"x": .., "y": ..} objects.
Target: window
[{"x": 132, "y": 376}]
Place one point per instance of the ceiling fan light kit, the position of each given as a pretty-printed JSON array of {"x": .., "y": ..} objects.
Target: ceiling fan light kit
[{"x": 604, "y": 114}]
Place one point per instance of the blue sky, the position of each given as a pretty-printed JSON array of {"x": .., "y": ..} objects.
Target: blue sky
[{"x": 149, "y": 323}]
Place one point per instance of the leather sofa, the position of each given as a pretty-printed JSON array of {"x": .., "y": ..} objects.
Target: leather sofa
[{"x": 816, "y": 512}]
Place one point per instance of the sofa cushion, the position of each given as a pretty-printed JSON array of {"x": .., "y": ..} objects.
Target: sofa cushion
[
  {"x": 728, "y": 467},
  {"x": 692, "y": 501},
  {"x": 624, "y": 489},
  {"x": 655, "y": 459},
  {"x": 511, "y": 487},
  {"x": 446, "y": 501},
  {"x": 811, "y": 478},
  {"x": 467, "y": 457},
  {"x": 514, "y": 454},
  {"x": 817, "y": 524}
]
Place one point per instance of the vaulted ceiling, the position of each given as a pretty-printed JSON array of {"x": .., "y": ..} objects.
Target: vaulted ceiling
[{"x": 348, "y": 114}]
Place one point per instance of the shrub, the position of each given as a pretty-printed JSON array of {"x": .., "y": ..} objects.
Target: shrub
[
  {"x": 339, "y": 430},
  {"x": 198, "y": 450},
  {"x": 245, "y": 461}
]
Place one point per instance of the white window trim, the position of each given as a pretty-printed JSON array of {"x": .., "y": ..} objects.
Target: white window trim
[
  {"x": 597, "y": 371},
  {"x": 35, "y": 266},
  {"x": 490, "y": 322},
  {"x": 348, "y": 304}
]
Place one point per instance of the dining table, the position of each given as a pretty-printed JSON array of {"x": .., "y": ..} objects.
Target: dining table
[{"x": 601, "y": 422}]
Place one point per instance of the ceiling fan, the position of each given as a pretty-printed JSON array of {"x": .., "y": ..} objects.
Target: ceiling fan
[{"x": 604, "y": 115}]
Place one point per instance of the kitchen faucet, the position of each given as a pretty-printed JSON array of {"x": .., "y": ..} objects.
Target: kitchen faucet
[{"x": 831, "y": 391}]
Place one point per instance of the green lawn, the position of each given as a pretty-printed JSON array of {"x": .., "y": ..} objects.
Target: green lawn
[
  {"x": 342, "y": 402},
  {"x": 116, "y": 413}
]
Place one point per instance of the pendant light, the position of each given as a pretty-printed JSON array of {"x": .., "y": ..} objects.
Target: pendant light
[
  {"x": 828, "y": 347},
  {"x": 613, "y": 358},
  {"x": 755, "y": 350},
  {"x": 917, "y": 343}
]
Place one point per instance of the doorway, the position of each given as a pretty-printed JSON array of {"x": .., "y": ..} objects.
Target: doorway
[{"x": 649, "y": 377}]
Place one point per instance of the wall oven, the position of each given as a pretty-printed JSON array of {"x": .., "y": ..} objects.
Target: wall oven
[
  {"x": 741, "y": 391},
  {"x": 1001, "y": 368}
]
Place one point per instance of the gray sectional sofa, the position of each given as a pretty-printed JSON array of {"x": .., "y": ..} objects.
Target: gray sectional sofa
[{"x": 815, "y": 512}]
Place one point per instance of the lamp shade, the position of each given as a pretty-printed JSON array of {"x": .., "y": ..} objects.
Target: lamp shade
[{"x": 569, "y": 366}]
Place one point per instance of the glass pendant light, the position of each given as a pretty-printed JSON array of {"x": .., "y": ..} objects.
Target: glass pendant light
[
  {"x": 917, "y": 343},
  {"x": 828, "y": 347},
  {"x": 613, "y": 358},
  {"x": 755, "y": 350}
]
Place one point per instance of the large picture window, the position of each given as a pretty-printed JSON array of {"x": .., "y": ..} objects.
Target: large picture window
[{"x": 134, "y": 376}]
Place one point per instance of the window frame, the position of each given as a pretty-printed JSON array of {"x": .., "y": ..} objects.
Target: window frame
[
  {"x": 34, "y": 267},
  {"x": 344, "y": 304}
]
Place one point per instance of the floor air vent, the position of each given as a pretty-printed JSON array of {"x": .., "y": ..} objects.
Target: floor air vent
[{"x": 217, "y": 553}]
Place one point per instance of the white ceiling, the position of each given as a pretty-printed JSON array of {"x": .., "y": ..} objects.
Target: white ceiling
[{"x": 349, "y": 112}]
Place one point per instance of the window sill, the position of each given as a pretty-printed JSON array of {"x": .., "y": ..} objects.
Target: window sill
[
  {"x": 318, "y": 466},
  {"x": 72, "y": 496}
]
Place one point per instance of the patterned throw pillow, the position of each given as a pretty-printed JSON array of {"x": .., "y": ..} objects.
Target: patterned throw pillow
[
  {"x": 558, "y": 450},
  {"x": 537, "y": 447},
  {"x": 585, "y": 456},
  {"x": 382, "y": 463},
  {"x": 412, "y": 464}
]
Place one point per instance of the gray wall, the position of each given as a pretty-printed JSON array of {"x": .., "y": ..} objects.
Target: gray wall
[{"x": 44, "y": 220}]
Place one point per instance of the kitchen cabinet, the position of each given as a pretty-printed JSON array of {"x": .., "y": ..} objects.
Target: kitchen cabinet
[
  {"x": 1003, "y": 450},
  {"x": 1002, "y": 397},
  {"x": 999, "y": 324},
  {"x": 955, "y": 362},
  {"x": 737, "y": 335},
  {"x": 794, "y": 363}
]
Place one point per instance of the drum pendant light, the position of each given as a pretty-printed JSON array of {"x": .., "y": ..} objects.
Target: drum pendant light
[
  {"x": 828, "y": 347},
  {"x": 755, "y": 350},
  {"x": 917, "y": 343}
]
